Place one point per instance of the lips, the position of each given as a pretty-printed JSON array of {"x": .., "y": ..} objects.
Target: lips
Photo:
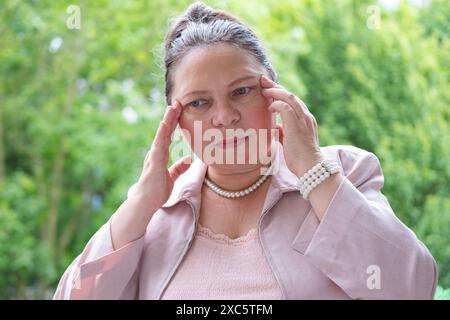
[{"x": 230, "y": 142}]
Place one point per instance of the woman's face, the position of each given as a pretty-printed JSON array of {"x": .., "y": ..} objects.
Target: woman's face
[{"x": 219, "y": 89}]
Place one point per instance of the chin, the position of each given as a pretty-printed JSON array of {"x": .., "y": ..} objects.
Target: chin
[
  {"x": 235, "y": 168},
  {"x": 241, "y": 158}
]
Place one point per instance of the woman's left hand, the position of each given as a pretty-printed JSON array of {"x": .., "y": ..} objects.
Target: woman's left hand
[{"x": 299, "y": 133}]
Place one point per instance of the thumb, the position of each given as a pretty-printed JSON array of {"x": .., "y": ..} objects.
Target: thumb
[{"x": 179, "y": 167}]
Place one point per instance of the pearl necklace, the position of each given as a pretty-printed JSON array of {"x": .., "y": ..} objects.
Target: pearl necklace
[{"x": 237, "y": 194}]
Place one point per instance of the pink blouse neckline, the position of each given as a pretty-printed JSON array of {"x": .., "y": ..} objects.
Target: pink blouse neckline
[{"x": 207, "y": 233}]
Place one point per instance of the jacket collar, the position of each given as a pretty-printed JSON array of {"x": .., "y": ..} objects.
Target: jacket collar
[{"x": 189, "y": 184}]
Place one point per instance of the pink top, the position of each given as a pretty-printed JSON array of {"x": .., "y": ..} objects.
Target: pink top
[
  {"x": 359, "y": 250},
  {"x": 218, "y": 267}
]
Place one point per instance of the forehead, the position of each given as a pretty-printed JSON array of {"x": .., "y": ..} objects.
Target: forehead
[{"x": 214, "y": 65}]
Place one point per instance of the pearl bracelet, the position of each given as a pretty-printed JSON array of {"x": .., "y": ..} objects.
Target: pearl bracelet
[{"x": 316, "y": 175}]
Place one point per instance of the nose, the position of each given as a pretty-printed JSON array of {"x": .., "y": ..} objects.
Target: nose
[{"x": 225, "y": 115}]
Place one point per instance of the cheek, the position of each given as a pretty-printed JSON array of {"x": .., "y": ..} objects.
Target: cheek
[
  {"x": 188, "y": 120},
  {"x": 269, "y": 116},
  {"x": 187, "y": 127},
  {"x": 188, "y": 123},
  {"x": 259, "y": 115}
]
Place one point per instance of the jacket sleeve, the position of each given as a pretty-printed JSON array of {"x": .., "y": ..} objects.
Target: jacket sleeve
[
  {"x": 100, "y": 272},
  {"x": 362, "y": 246}
]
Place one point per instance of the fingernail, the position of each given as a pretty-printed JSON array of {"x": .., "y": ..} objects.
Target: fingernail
[{"x": 264, "y": 78}]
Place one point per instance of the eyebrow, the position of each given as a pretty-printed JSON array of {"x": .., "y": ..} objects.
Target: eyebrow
[
  {"x": 240, "y": 79},
  {"x": 229, "y": 85}
]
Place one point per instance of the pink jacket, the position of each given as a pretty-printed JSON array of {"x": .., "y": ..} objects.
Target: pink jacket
[{"x": 360, "y": 249}]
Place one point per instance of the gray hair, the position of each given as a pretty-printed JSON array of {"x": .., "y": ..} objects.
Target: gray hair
[{"x": 201, "y": 26}]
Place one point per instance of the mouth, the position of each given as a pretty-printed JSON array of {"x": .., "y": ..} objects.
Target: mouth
[{"x": 232, "y": 142}]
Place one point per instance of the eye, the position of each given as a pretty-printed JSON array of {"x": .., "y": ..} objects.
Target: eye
[
  {"x": 242, "y": 91},
  {"x": 197, "y": 103}
]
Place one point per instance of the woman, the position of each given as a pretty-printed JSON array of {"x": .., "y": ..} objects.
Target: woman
[{"x": 298, "y": 222}]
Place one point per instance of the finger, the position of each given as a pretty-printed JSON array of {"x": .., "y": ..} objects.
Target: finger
[
  {"x": 287, "y": 113},
  {"x": 174, "y": 122},
  {"x": 168, "y": 124},
  {"x": 268, "y": 83},
  {"x": 304, "y": 106},
  {"x": 160, "y": 135},
  {"x": 169, "y": 116},
  {"x": 170, "y": 119},
  {"x": 157, "y": 145},
  {"x": 288, "y": 97},
  {"x": 179, "y": 167},
  {"x": 159, "y": 150}
]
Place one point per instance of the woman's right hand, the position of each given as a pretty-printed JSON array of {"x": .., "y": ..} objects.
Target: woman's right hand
[
  {"x": 154, "y": 186},
  {"x": 156, "y": 181}
]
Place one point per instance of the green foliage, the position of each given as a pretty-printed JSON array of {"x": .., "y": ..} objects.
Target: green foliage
[
  {"x": 442, "y": 294},
  {"x": 79, "y": 108},
  {"x": 385, "y": 90}
]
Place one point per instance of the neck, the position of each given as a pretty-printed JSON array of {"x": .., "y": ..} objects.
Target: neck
[{"x": 236, "y": 180}]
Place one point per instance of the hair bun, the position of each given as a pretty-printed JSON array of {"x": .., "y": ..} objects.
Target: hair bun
[
  {"x": 201, "y": 13},
  {"x": 197, "y": 12}
]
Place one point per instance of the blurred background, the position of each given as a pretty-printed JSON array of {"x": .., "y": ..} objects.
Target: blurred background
[{"x": 82, "y": 93}]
